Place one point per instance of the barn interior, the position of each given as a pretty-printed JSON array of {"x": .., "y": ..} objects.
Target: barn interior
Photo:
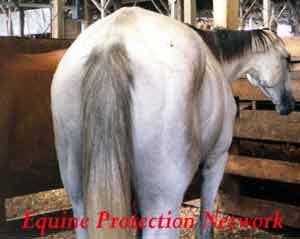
[{"x": 263, "y": 172}]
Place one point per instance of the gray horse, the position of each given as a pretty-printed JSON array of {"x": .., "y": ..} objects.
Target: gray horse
[{"x": 139, "y": 103}]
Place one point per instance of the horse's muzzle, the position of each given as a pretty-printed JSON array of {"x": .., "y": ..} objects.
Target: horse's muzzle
[{"x": 287, "y": 104}]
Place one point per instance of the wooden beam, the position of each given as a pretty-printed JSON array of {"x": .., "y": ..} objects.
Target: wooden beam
[
  {"x": 171, "y": 4},
  {"x": 295, "y": 15},
  {"x": 87, "y": 17},
  {"x": 14, "y": 223},
  {"x": 268, "y": 125},
  {"x": 179, "y": 10},
  {"x": 245, "y": 91},
  {"x": 266, "y": 12},
  {"x": 295, "y": 66},
  {"x": 292, "y": 45},
  {"x": 58, "y": 19},
  {"x": 2, "y": 211},
  {"x": 72, "y": 28},
  {"x": 226, "y": 13},
  {"x": 263, "y": 169},
  {"x": 231, "y": 185},
  {"x": 250, "y": 207},
  {"x": 35, "y": 5},
  {"x": 189, "y": 11}
]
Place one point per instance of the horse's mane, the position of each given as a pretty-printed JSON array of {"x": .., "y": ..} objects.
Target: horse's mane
[{"x": 227, "y": 45}]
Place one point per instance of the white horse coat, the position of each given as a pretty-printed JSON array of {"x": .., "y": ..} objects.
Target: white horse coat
[{"x": 171, "y": 100}]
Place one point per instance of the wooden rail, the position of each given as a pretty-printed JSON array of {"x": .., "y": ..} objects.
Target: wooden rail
[
  {"x": 264, "y": 168},
  {"x": 263, "y": 125},
  {"x": 268, "y": 125},
  {"x": 292, "y": 44},
  {"x": 251, "y": 208},
  {"x": 245, "y": 91}
]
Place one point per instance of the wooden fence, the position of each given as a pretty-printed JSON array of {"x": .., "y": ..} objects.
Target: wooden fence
[{"x": 262, "y": 125}]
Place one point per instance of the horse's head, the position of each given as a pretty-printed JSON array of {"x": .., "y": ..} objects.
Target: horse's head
[{"x": 269, "y": 70}]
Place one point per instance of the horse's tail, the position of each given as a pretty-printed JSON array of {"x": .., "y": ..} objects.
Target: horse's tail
[{"x": 107, "y": 141}]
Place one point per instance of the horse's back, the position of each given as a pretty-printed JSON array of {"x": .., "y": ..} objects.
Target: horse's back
[
  {"x": 142, "y": 32},
  {"x": 156, "y": 45},
  {"x": 166, "y": 58}
]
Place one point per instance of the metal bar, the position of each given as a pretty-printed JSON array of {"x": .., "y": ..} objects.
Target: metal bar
[
  {"x": 97, "y": 5},
  {"x": 249, "y": 9},
  {"x": 35, "y": 5},
  {"x": 107, "y": 4},
  {"x": 103, "y": 14}
]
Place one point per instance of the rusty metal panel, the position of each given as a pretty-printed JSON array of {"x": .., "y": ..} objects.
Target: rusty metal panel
[{"x": 25, "y": 45}]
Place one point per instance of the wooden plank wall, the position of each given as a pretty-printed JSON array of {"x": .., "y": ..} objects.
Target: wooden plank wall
[{"x": 266, "y": 126}]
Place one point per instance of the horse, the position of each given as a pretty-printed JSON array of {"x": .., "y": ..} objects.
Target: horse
[
  {"x": 139, "y": 103},
  {"x": 230, "y": 48},
  {"x": 27, "y": 139}
]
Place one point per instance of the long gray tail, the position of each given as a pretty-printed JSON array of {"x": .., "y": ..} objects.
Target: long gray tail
[{"x": 107, "y": 139}]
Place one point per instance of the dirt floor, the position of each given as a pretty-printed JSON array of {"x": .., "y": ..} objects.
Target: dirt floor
[{"x": 57, "y": 199}]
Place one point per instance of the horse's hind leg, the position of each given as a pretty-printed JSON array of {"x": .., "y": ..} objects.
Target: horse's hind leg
[
  {"x": 69, "y": 158},
  {"x": 212, "y": 177},
  {"x": 155, "y": 204},
  {"x": 160, "y": 187}
]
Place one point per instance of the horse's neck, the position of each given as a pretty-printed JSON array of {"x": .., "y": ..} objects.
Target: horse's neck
[{"x": 236, "y": 68}]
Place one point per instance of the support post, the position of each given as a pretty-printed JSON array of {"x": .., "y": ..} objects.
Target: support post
[
  {"x": 22, "y": 21},
  {"x": 189, "y": 11},
  {"x": 9, "y": 22},
  {"x": 2, "y": 211},
  {"x": 266, "y": 12},
  {"x": 179, "y": 10},
  {"x": 58, "y": 19},
  {"x": 226, "y": 13},
  {"x": 294, "y": 15},
  {"x": 175, "y": 7},
  {"x": 87, "y": 16},
  {"x": 76, "y": 10},
  {"x": 172, "y": 8}
]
